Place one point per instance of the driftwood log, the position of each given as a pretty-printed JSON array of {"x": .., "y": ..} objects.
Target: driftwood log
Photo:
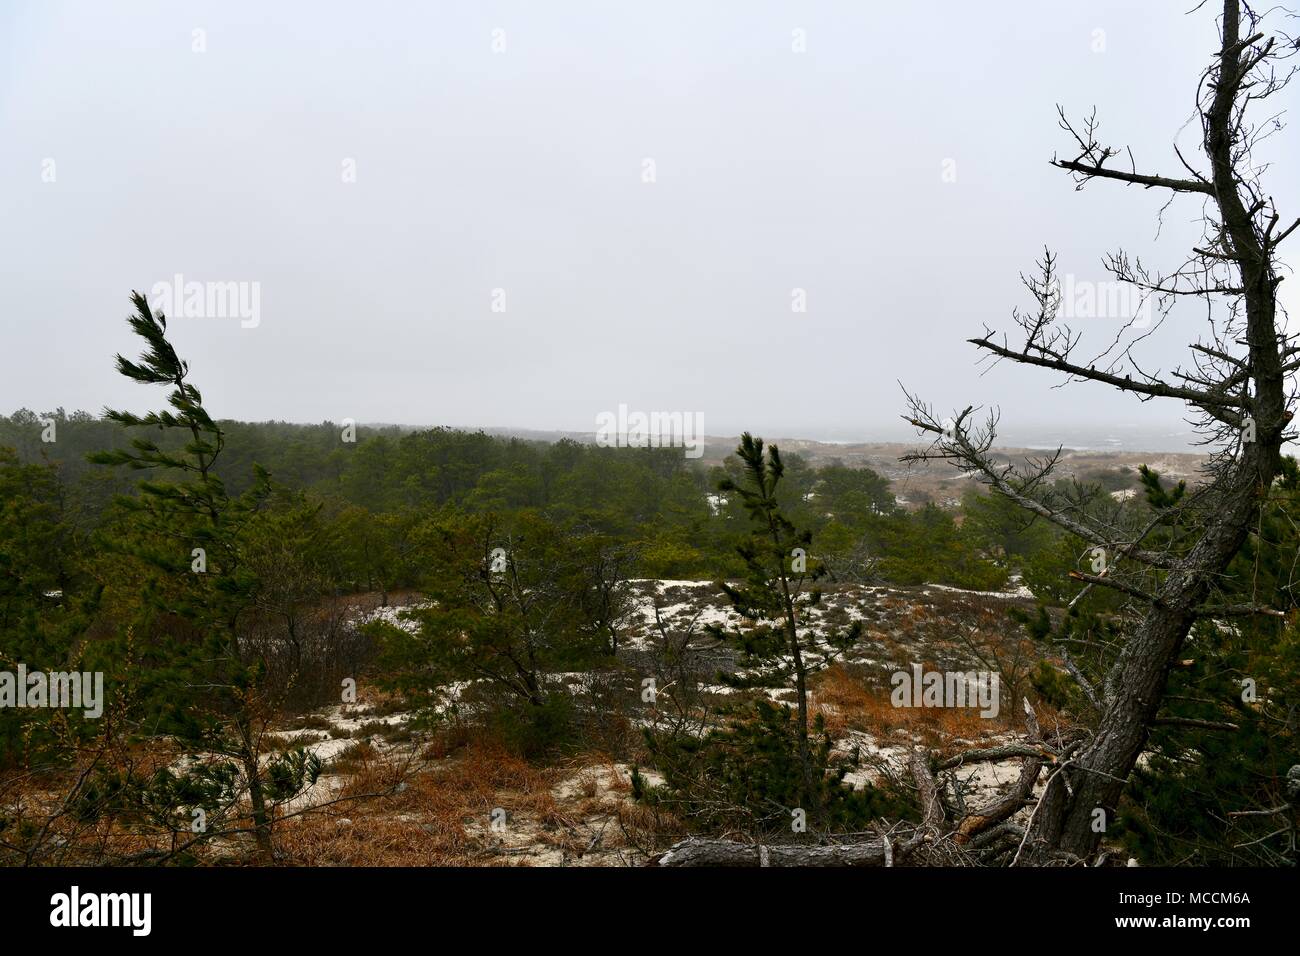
[{"x": 699, "y": 852}]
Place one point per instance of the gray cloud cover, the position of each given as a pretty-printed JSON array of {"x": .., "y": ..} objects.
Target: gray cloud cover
[{"x": 522, "y": 170}]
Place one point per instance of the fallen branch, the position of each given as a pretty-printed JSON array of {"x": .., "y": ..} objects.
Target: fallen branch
[{"x": 700, "y": 852}]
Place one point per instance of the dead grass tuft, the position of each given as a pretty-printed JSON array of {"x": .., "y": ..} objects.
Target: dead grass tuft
[{"x": 846, "y": 703}]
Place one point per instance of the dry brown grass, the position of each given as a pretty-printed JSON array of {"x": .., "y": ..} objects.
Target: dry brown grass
[
  {"x": 439, "y": 818},
  {"x": 846, "y": 703},
  {"x": 380, "y": 810}
]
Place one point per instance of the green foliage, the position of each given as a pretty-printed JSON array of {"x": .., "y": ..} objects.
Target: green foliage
[
  {"x": 997, "y": 526},
  {"x": 776, "y": 598},
  {"x": 290, "y": 772},
  {"x": 1046, "y": 572},
  {"x": 926, "y": 547},
  {"x": 511, "y": 602},
  {"x": 535, "y": 731},
  {"x": 185, "y": 531},
  {"x": 161, "y": 798},
  {"x": 853, "y": 496},
  {"x": 1053, "y": 685},
  {"x": 776, "y": 593},
  {"x": 46, "y": 603},
  {"x": 376, "y": 491},
  {"x": 1181, "y": 805},
  {"x": 1159, "y": 497},
  {"x": 1197, "y": 799},
  {"x": 747, "y": 776},
  {"x": 189, "y": 539}
]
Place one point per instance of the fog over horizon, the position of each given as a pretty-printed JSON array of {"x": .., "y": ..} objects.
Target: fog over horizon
[
  {"x": 1021, "y": 435},
  {"x": 502, "y": 216}
]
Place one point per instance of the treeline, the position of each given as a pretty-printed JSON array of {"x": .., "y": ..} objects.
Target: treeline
[{"x": 373, "y": 492}]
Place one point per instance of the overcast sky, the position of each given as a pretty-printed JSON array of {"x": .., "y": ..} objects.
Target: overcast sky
[{"x": 380, "y": 170}]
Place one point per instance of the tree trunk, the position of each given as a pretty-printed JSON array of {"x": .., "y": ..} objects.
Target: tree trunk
[
  {"x": 1136, "y": 683},
  {"x": 810, "y": 795},
  {"x": 256, "y": 796},
  {"x": 1135, "y": 686}
]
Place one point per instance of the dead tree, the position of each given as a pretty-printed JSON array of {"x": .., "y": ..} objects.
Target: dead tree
[{"x": 1235, "y": 387}]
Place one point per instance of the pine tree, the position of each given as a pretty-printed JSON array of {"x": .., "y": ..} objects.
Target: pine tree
[
  {"x": 511, "y": 602},
  {"x": 186, "y": 528},
  {"x": 46, "y": 603},
  {"x": 779, "y": 646}
]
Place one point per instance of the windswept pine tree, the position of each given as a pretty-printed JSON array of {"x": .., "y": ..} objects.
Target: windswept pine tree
[{"x": 188, "y": 531}]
